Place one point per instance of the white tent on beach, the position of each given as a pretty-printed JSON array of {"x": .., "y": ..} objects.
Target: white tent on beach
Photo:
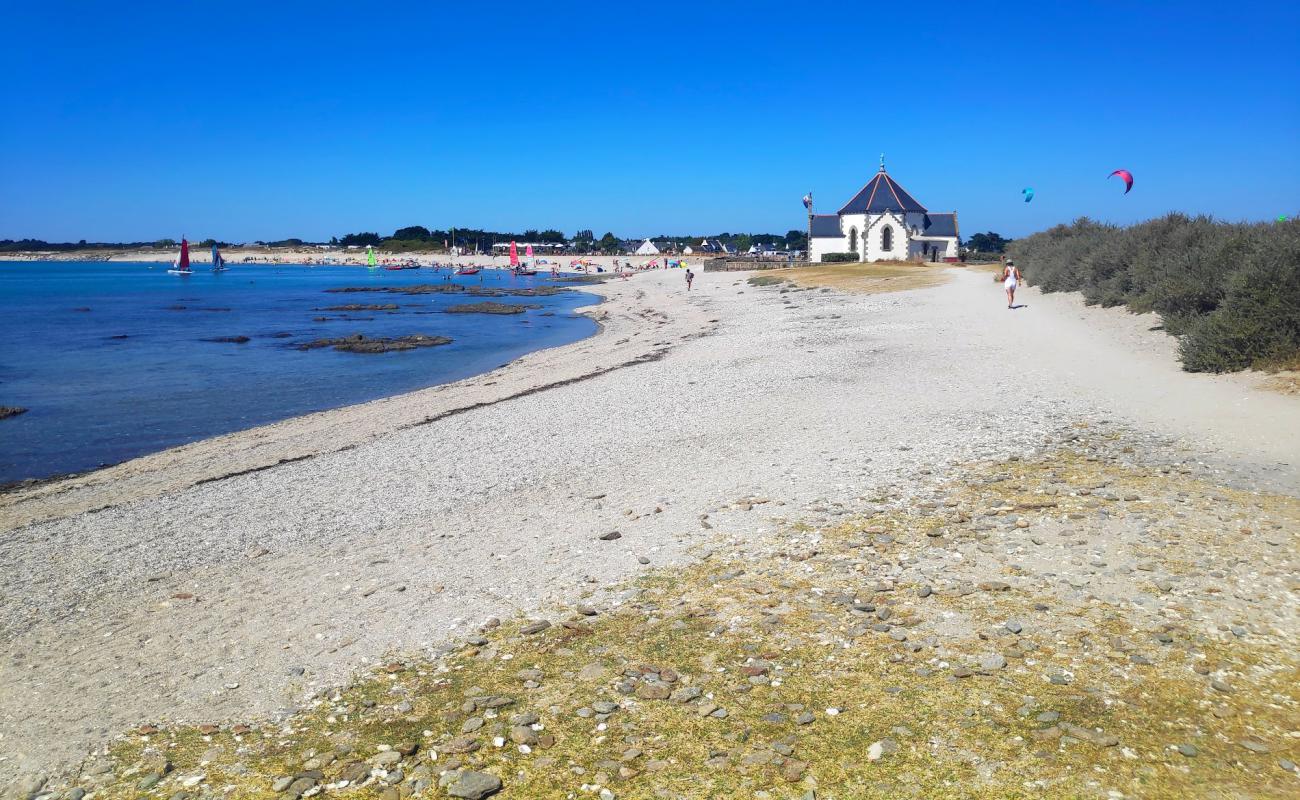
[{"x": 647, "y": 248}]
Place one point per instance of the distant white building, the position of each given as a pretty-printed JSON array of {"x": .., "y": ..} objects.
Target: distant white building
[
  {"x": 647, "y": 248},
  {"x": 884, "y": 223}
]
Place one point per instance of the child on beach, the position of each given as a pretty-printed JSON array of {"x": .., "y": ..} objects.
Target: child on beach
[{"x": 690, "y": 278}]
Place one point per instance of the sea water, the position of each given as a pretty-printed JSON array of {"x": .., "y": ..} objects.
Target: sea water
[{"x": 112, "y": 363}]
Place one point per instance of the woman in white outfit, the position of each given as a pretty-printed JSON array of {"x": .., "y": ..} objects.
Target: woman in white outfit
[{"x": 1010, "y": 280}]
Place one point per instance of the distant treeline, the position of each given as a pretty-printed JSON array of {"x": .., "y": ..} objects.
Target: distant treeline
[
  {"x": 1230, "y": 292},
  {"x": 417, "y": 237},
  {"x": 37, "y": 245}
]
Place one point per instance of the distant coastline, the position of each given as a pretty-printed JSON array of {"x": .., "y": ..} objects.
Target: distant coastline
[{"x": 253, "y": 256}]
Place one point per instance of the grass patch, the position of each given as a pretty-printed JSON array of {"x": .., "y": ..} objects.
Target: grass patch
[{"x": 861, "y": 278}]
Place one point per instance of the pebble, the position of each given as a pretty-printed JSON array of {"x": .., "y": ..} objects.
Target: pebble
[
  {"x": 1188, "y": 750},
  {"x": 535, "y": 627},
  {"x": 992, "y": 662}
]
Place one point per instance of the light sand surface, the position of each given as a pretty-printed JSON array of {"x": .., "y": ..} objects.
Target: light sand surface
[{"x": 234, "y": 598}]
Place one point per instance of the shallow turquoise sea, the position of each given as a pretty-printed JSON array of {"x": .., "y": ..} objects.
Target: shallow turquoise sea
[{"x": 111, "y": 358}]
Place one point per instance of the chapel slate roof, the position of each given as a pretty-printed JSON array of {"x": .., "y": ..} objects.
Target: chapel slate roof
[
  {"x": 882, "y": 194},
  {"x": 940, "y": 225},
  {"x": 826, "y": 226}
]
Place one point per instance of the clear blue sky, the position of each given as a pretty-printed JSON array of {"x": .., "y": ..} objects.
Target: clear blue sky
[{"x": 266, "y": 120}]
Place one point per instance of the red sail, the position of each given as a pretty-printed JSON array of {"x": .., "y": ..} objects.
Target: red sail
[
  {"x": 184, "y": 263},
  {"x": 514, "y": 255}
]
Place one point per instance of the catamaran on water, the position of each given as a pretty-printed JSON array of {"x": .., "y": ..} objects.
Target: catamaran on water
[
  {"x": 181, "y": 266},
  {"x": 218, "y": 262}
]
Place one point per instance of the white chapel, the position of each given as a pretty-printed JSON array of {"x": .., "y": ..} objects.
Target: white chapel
[{"x": 883, "y": 223}]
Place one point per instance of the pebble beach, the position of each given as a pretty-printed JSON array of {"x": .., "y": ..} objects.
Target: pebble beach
[{"x": 749, "y": 540}]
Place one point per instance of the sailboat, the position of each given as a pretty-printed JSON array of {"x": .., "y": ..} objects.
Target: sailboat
[
  {"x": 181, "y": 266},
  {"x": 522, "y": 269},
  {"x": 218, "y": 263},
  {"x": 370, "y": 257}
]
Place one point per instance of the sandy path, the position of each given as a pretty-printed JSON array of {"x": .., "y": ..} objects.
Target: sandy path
[{"x": 297, "y": 575}]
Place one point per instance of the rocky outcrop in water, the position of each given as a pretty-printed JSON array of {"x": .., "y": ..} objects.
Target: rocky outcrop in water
[
  {"x": 455, "y": 288},
  {"x": 361, "y": 307},
  {"x": 359, "y": 343},
  {"x": 227, "y": 339},
  {"x": 418, "y": 288},
  {"x": 11, "y": 411},
  {"x": 490, "y": 307}
]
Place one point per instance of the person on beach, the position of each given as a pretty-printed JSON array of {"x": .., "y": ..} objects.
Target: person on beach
[
  {"x": 690, "y": 278},
  {"x": 1010, "y": 280}
]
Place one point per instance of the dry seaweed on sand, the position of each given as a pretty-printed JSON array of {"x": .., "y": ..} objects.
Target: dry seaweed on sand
[{"x": 805, "y": 661}]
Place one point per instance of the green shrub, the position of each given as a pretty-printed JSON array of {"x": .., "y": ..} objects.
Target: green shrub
[
  {"x": 1229, "y": 291},
  {"x": 837, "y": 258}
]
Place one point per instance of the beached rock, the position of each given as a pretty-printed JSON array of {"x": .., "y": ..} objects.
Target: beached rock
[
  {"x": 489, "y": 307},
  {"x": 359, "y": 343},
  {"x": 11, "y": 411}
]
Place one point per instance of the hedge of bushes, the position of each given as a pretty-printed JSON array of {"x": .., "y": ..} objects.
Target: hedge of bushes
[
  {"x": 837, "y": 258},
  {"x": 1230, "y": 292}
]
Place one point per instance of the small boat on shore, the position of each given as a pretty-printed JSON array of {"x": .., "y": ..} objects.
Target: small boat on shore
[{"x": 181, "y": 266}]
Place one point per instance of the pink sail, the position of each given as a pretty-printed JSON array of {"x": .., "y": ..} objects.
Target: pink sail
[
  {"x": 514, "y": 255},
  {"x": 528, "y": 251}
]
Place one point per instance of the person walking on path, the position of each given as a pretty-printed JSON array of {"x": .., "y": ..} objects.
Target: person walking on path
[
  {"x": 690, "y": 278},
  {"x": 1010, "y": 280}
]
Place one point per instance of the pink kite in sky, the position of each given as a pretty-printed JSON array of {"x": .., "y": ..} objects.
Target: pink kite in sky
[{"x": 1125, "y": 176}]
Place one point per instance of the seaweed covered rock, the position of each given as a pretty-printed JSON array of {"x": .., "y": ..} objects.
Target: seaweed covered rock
[
  {"x": 11, "y": 411},
  {"x": 361, "y": 307},
  {"x": 359, "y": 343},
  {"x": 489, "y": 307}
]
